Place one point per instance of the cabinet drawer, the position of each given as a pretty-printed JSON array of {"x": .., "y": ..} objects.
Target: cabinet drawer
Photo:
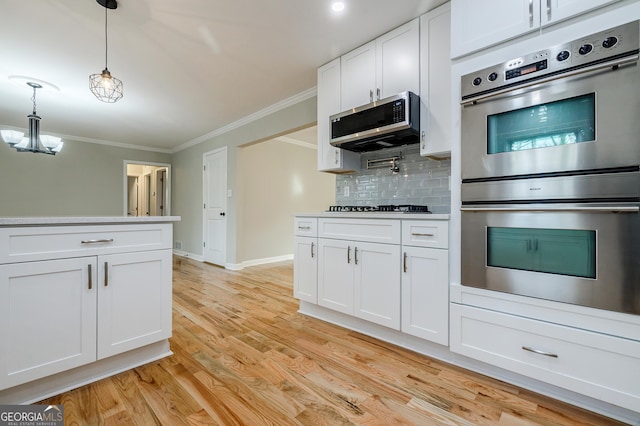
[
  {"x": 369, "y": 230},
  {"x": 305, "y": 226},
  {"x": 55, "y": 242},
  {"x": 594, "y": 364},
  {"x": 425, "y": 233}
]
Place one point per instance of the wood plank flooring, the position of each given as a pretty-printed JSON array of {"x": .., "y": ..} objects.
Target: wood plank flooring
[{"x": 244, "y": 356}]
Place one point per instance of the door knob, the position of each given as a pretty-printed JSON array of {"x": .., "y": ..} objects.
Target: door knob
[{"x": 223, "y": 214}]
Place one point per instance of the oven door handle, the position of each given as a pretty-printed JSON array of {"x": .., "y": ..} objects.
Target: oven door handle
[
  {"x": 592, "y": 68},
  {"x": 613, "y": 209}
]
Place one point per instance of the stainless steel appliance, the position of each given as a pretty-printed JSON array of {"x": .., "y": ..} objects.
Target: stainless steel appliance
[
  {"x": 551, "y": 173},
  {"x": 385, "y": 123}
]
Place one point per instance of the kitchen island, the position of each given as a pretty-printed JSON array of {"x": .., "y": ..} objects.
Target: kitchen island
[{"x": 81, "y": 298}]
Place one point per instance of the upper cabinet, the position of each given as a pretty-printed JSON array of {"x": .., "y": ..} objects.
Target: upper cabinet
[
  {"x": 477, "y": 24},
  {"x": 330, "y": 158},
  {"x": 435, "y": 83},
  {"x": 381, "y": 68}
]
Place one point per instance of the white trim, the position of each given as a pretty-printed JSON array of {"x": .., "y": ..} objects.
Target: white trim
[
  {"x": 193, "y": 256},
  {"x": 263, "y": 261},
  {"x": 302, "y": 96},
  {"x": 293, "y": 141}
]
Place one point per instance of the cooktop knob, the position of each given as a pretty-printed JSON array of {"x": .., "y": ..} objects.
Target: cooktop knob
[
  {"x": 563, "y": 56},
  {"x": 493, "y": 76},
  {"x": 585, "y": 49},
  {"x": 609, "y": 42},
  {"x": 477, "y": 81}
]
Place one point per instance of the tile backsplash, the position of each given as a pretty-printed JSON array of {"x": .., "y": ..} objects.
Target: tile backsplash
[{"x": 420, "y": 180}]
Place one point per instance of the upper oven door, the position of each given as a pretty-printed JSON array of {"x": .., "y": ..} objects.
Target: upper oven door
[{"x": 583, "y": 122}]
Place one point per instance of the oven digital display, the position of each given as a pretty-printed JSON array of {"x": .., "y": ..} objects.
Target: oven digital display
[{"x": 526, "y": 69}]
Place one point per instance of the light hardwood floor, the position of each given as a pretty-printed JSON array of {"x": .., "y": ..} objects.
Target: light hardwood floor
[{"x": 244, "y": 356}]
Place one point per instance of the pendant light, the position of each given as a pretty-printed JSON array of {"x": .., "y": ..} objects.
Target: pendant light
[
  {"x": 34, "y": 142},
  {"x": 104, "y": 86}
]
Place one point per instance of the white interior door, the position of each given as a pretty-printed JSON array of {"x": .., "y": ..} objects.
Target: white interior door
[{"x": 215, "y": 206}]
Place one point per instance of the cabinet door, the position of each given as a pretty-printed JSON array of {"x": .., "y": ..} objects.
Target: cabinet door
[
  {"x": 558, "y": 10},
  {"x": 425, "y": 293},
  {"x": 134, "y": 300},
  {"x": 47, "y": 318},
  {"x": 377, "y": 283},
  {"x": 398, "y": 61},
  {"x": 435, "y": 82},
  {"x": 335, "y": 275},
  {"x": 476, "y": 24},
  {"x": 358, "y": 76},
  {"x": 305, "y": 269},
  {"x": 331, "y": 158}
]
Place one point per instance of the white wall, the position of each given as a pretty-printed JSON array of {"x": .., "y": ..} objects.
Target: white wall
[{"x": 277, "y": 180}]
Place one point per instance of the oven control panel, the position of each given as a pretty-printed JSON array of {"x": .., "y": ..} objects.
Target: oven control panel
[{"x": 612, "y": 44}]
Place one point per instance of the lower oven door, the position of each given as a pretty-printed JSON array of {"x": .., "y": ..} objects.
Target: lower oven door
[{"x": 587, "y": 256}]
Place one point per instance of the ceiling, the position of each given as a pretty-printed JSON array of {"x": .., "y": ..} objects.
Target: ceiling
[{"x": 189, "y": 67}]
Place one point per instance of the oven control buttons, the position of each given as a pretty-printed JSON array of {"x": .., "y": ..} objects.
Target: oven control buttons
[
  {"x": 609, "y": 42},
  {"x": 493, "y": 76},
  {"x": 585, "y": 49},
  {"x": 563, "y": 56},
  {"x": 476, "y": 81}
]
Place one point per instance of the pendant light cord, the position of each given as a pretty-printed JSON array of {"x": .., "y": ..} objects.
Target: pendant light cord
[{"x": 106, "y": 38}]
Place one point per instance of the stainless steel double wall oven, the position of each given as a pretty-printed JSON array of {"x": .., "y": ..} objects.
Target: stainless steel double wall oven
[{"x": 551, "y": 173}]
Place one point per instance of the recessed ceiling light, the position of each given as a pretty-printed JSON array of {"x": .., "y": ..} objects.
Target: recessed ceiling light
[{"x": 337, "y": 6}]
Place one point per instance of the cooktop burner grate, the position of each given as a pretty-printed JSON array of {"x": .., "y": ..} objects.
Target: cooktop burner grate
[{"x": 401, "y": 208}]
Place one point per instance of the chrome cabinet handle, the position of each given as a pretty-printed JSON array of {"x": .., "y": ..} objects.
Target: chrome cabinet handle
[
  {"x": 531, "y": 13},
  {"x": 548, "y": 10},
  {"x": 404, "y": 262},
  {"x": 355, "y": 255},
  {"x": 418, "y": 234},
  {"x": 539, "y": 352},
  {"x": 90, "y": 278},
  {"x": 106, "y": 240},
  {"x": 312, "y": 255},
  {"x": 304, "y": 228},
  {"x": 106, "y": 274},
  {"x": 348, "y": 254}
]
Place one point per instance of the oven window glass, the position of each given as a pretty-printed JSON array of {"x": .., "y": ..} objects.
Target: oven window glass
[
  {"x": 555, "y": 251},
  {"x": 564, "y": 122}
]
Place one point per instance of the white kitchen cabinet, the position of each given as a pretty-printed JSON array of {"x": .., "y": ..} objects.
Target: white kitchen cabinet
[
  {"x": 360, "y": 279},
  {"x": 381, "y": 68},
  {"x": 435, "y": 82},
  {"x": 305, "y": 259},
  {"x": 425, "y": 280},
  {"x": 599, "y": 365},
  {"x": 476, "y": 24},
  {"x": 358, "y": 268},
  {"x": 330, "y": 158},
  {"x": 134, "y": 300},
  {"x": 47, "y": 318},
  {"x": 74, "y": 295}
]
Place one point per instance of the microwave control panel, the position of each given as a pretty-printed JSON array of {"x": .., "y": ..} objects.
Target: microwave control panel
[{"x": 598, "y": 48}]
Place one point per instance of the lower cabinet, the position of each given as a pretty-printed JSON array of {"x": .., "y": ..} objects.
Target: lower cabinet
[
  {"x": 59, "y": 314},
  {"x": 305, "y": 269},
  {"x": 595, "y": 364},
  {"x": 361, "y": 279}
]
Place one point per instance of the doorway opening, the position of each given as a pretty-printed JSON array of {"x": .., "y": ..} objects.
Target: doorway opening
[{"x": 147, "y": 189}]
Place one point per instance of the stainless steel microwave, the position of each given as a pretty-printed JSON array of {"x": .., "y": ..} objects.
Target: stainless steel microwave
[{"x": 389, "y": 122}]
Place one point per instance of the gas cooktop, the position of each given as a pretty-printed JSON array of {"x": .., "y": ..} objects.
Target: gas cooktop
[{"x": 402, "y": 208}]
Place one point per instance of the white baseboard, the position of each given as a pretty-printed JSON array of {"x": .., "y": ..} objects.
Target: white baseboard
[
  {"x": 237, "y": 266},
  {"x": 181, "y": 253}
]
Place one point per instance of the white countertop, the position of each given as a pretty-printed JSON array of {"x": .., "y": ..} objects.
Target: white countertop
[
  {"x": 377, "y": 215},
  {"x": 83, "y": 220}
]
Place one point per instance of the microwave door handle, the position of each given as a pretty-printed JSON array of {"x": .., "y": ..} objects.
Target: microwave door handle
[
  {"x": 592, "y": 68},
  {"x": 615, "y": 209}
]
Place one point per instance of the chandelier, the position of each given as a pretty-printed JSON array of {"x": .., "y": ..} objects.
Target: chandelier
[
  {"x": 104, "y": 86},
  {"x": 34, "y": 142}
]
